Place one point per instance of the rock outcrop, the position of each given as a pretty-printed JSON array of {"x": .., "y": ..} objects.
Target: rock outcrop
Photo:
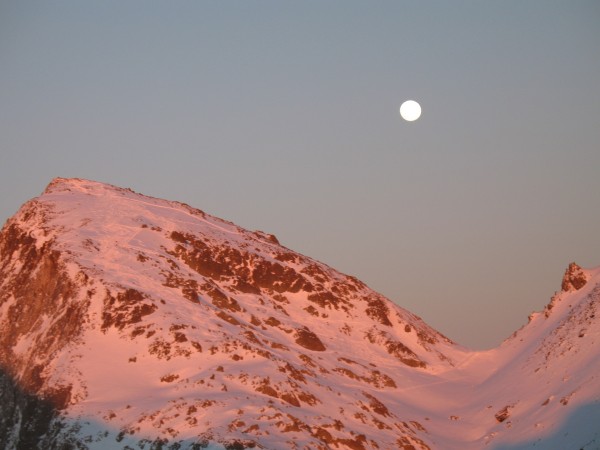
[{"x": 575, "y": 278}]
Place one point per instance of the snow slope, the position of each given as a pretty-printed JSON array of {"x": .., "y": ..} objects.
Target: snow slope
[{"x": 134, "y": 322}]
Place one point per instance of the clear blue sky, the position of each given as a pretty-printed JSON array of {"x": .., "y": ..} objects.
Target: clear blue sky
[{"x": 283, "y": 116}]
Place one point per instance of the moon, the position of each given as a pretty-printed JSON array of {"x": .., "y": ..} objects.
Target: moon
[{"x": 410, "y": 110}]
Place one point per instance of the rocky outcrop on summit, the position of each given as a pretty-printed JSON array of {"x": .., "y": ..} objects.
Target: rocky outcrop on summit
[
  {"x": 134, "y": 322},
  {"x": 575, "y": 278}
]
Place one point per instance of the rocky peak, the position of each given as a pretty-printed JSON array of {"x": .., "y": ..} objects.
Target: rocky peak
[
  {"x": 574, "y": 279},
  {"x": 165, "y": 294}
]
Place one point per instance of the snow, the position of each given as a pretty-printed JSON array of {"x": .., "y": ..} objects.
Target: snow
[{"x": 545, "y": 375}]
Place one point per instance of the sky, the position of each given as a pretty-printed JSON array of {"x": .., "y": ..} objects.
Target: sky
[{"x": 283, "y": 117}]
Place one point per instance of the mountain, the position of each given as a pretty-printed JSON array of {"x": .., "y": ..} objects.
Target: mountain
[{"x": 130, "y": 322}]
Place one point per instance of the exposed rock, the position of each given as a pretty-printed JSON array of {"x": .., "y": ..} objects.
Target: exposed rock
[
  {"x": 24, "y": 417},
  {"x": 574, "y": 279},
  {"x": 504, "y": 413},
  {"x": 309, "y": 340},
  {"x": 127, "y": 308},
  {"x": 378, "y": 310}
]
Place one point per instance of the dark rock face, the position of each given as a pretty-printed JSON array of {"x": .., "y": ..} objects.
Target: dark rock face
[
  {"x": 24, "y": 418},
  {"x": 34, "y": 284},
  {"x": 309, "y": 340},
  {"x": 574, "y": 278},
  {"x": 225, "y": 262},
  {"x": 504, "y": 413},
  {"x": 41, "y": 288},
  {"x": 126, "y": 308}
]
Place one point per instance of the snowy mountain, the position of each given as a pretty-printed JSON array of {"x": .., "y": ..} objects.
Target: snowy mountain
[{"x": 130, "y": 322}]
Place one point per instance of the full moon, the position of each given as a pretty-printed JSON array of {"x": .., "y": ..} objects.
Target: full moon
[{"x": 410, "y": 110}]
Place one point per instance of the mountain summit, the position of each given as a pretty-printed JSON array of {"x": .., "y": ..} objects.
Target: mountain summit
[{"x": 130, "y": 322}]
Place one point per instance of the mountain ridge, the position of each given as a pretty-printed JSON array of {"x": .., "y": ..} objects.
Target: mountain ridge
[{"x": 115, "y": 304}]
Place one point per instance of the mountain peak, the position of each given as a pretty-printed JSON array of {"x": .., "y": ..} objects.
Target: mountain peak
[
  {"x": 575, "y": 278},
  {"x": 61, "y": 184},
  {"x": 135, "y": 295},
  {"x": 132, "y": 321}
]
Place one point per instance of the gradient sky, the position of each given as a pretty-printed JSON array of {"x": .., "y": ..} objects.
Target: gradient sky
[{"x": 283, "y": 117}]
